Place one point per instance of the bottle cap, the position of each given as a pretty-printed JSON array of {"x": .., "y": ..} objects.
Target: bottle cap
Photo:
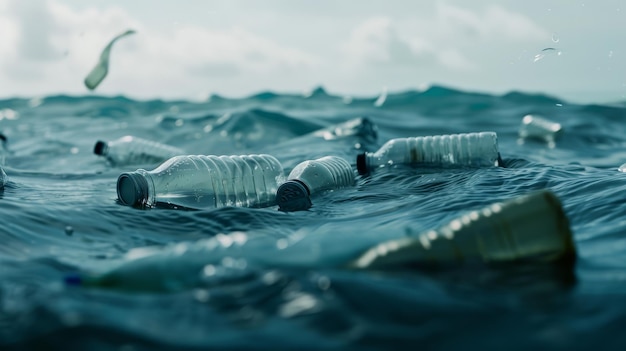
[
  {"x": 293, "y": 195},
  {"x": 132, "y": 189},
  {"x": 3, "y": 138},
  {"x": 99, "y": 147},
  {"x": 361, "y": 165}
]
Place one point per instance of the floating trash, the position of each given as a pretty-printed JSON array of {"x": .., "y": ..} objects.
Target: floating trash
[
  {"x": 382, "y": 98},
  {"x": 535, "y": 127},
  {"x": 532, "y": 227},
  {"x": 98, "y": 73},
  {"x": 622, "y": 168},
  {"x": 545, "y": 52}
]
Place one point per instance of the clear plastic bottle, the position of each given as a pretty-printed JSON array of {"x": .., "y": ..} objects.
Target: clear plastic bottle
[
  {"x": 469, "y": 149},
  {"x": 311, "y": 177},
  {"x": 130, "y": 150},
  {"x": 530, "y": 227},
  {"x": 3, "y": 149},
  {"x": 3, "y": 152},
  {"x": 536, "y": 127},
  {"x": 199, "y": 182}
]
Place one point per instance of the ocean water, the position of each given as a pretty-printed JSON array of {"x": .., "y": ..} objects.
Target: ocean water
[{"x": 284, "y": 288}]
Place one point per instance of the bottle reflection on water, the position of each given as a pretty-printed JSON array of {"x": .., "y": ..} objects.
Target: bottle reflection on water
[
  {"x": 531, "y": 227},
  {"x": 200, "y": 182}
]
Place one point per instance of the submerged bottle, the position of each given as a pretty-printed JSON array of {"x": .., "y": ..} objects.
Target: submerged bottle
[
  {"x": 130, "y": 150},
  {"x": 469, "y": 149},
  {"x": 530, "y": 227},
  {"x": 199, "y": 181},
  {"x": 311, "y": 177}
]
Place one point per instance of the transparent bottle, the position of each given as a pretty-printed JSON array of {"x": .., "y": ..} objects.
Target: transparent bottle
[
  {"x": 130, "y": 150},
  {"x": 311, "y": 177},
  {"x": 3, "y": 149},
  {"x": 536, "y": 127},
  {"x": 469, "y": 149},
  {"x": 200, "y": 182},
  {"x": 530, "y": 227},
  {"x": 3, "y": 152}
]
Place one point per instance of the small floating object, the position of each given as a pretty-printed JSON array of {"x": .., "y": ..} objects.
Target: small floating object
[
  {"x": 381, "y": 98},
  {"x": 622, "y": 168},
  {"x": 531, "y": 227},
  {"x": 98, "y": 73},
  {"x": 535, "y": 127}
]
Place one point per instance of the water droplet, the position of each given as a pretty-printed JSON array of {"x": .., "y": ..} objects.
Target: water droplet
[
  {"x": 282, "y": 244},
  {"x": 555, "y": 38},
  {"x": 69, "y": 230},
  {"x": 209, "y": 270},
  {"x": 179, "y": 122}
]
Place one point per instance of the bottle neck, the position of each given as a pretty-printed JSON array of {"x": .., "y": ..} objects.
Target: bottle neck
[{"x": 136, "y": 189}]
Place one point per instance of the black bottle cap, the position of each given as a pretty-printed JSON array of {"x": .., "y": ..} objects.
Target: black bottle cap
[
  {"x": 293, "y": 195},
  {"x": 360, "y": 164},
  {"x": 132, "y": 189},
  {"x": 98, "y": 149},
  {"x": 3, "y": 138}
]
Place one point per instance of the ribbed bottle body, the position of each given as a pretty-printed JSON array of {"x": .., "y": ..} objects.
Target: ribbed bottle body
[
  {"x": 326, "y": 173},
  {"x": 130, "y": 150},
  {"x": 199, "y": 181},
  {"x": 468, "y": 149},
  {"x": 531, "y": 227}
]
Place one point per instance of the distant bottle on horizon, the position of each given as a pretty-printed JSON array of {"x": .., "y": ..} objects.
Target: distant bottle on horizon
[
  {"x": 311, "y": 177},
  {"x": 130, "y": 150},
  {"x": 539, "y": 128},
  {"x": 202, "y": 182},
  {"x": 531, "y": 227},
  {"x": 468, "y": 149}
]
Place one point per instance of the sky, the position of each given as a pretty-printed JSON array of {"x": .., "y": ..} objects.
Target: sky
[{"x": 190, "y": 49}]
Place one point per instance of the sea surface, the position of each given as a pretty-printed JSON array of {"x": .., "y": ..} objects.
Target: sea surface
[{"x": 283, "y": 286}]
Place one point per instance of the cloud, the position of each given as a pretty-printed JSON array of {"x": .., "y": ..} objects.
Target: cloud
[
  {"x": 58, "y": 45},
  {"x": 445, "y": 40}
]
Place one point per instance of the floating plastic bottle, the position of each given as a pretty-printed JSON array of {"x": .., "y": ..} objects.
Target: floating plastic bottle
[
  {"x": 470, "y": 149},
  {"x": 199, "y": 182},
  {"x": 3, "y": 175},
  {"x": 535, "y": 127},
  {"x": 344, "y": 140},
  {"x": 130, "y": 150},
  {"x": 3, "y": 149},
  {"x": 311, "y": 177},
  {"x": 530, "y": 227}
]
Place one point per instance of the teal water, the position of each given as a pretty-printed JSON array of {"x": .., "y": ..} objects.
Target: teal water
[{"x": 282, "y": 289}]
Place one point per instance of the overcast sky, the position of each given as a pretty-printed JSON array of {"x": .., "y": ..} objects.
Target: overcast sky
[{"x": 192, "y": 48}]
